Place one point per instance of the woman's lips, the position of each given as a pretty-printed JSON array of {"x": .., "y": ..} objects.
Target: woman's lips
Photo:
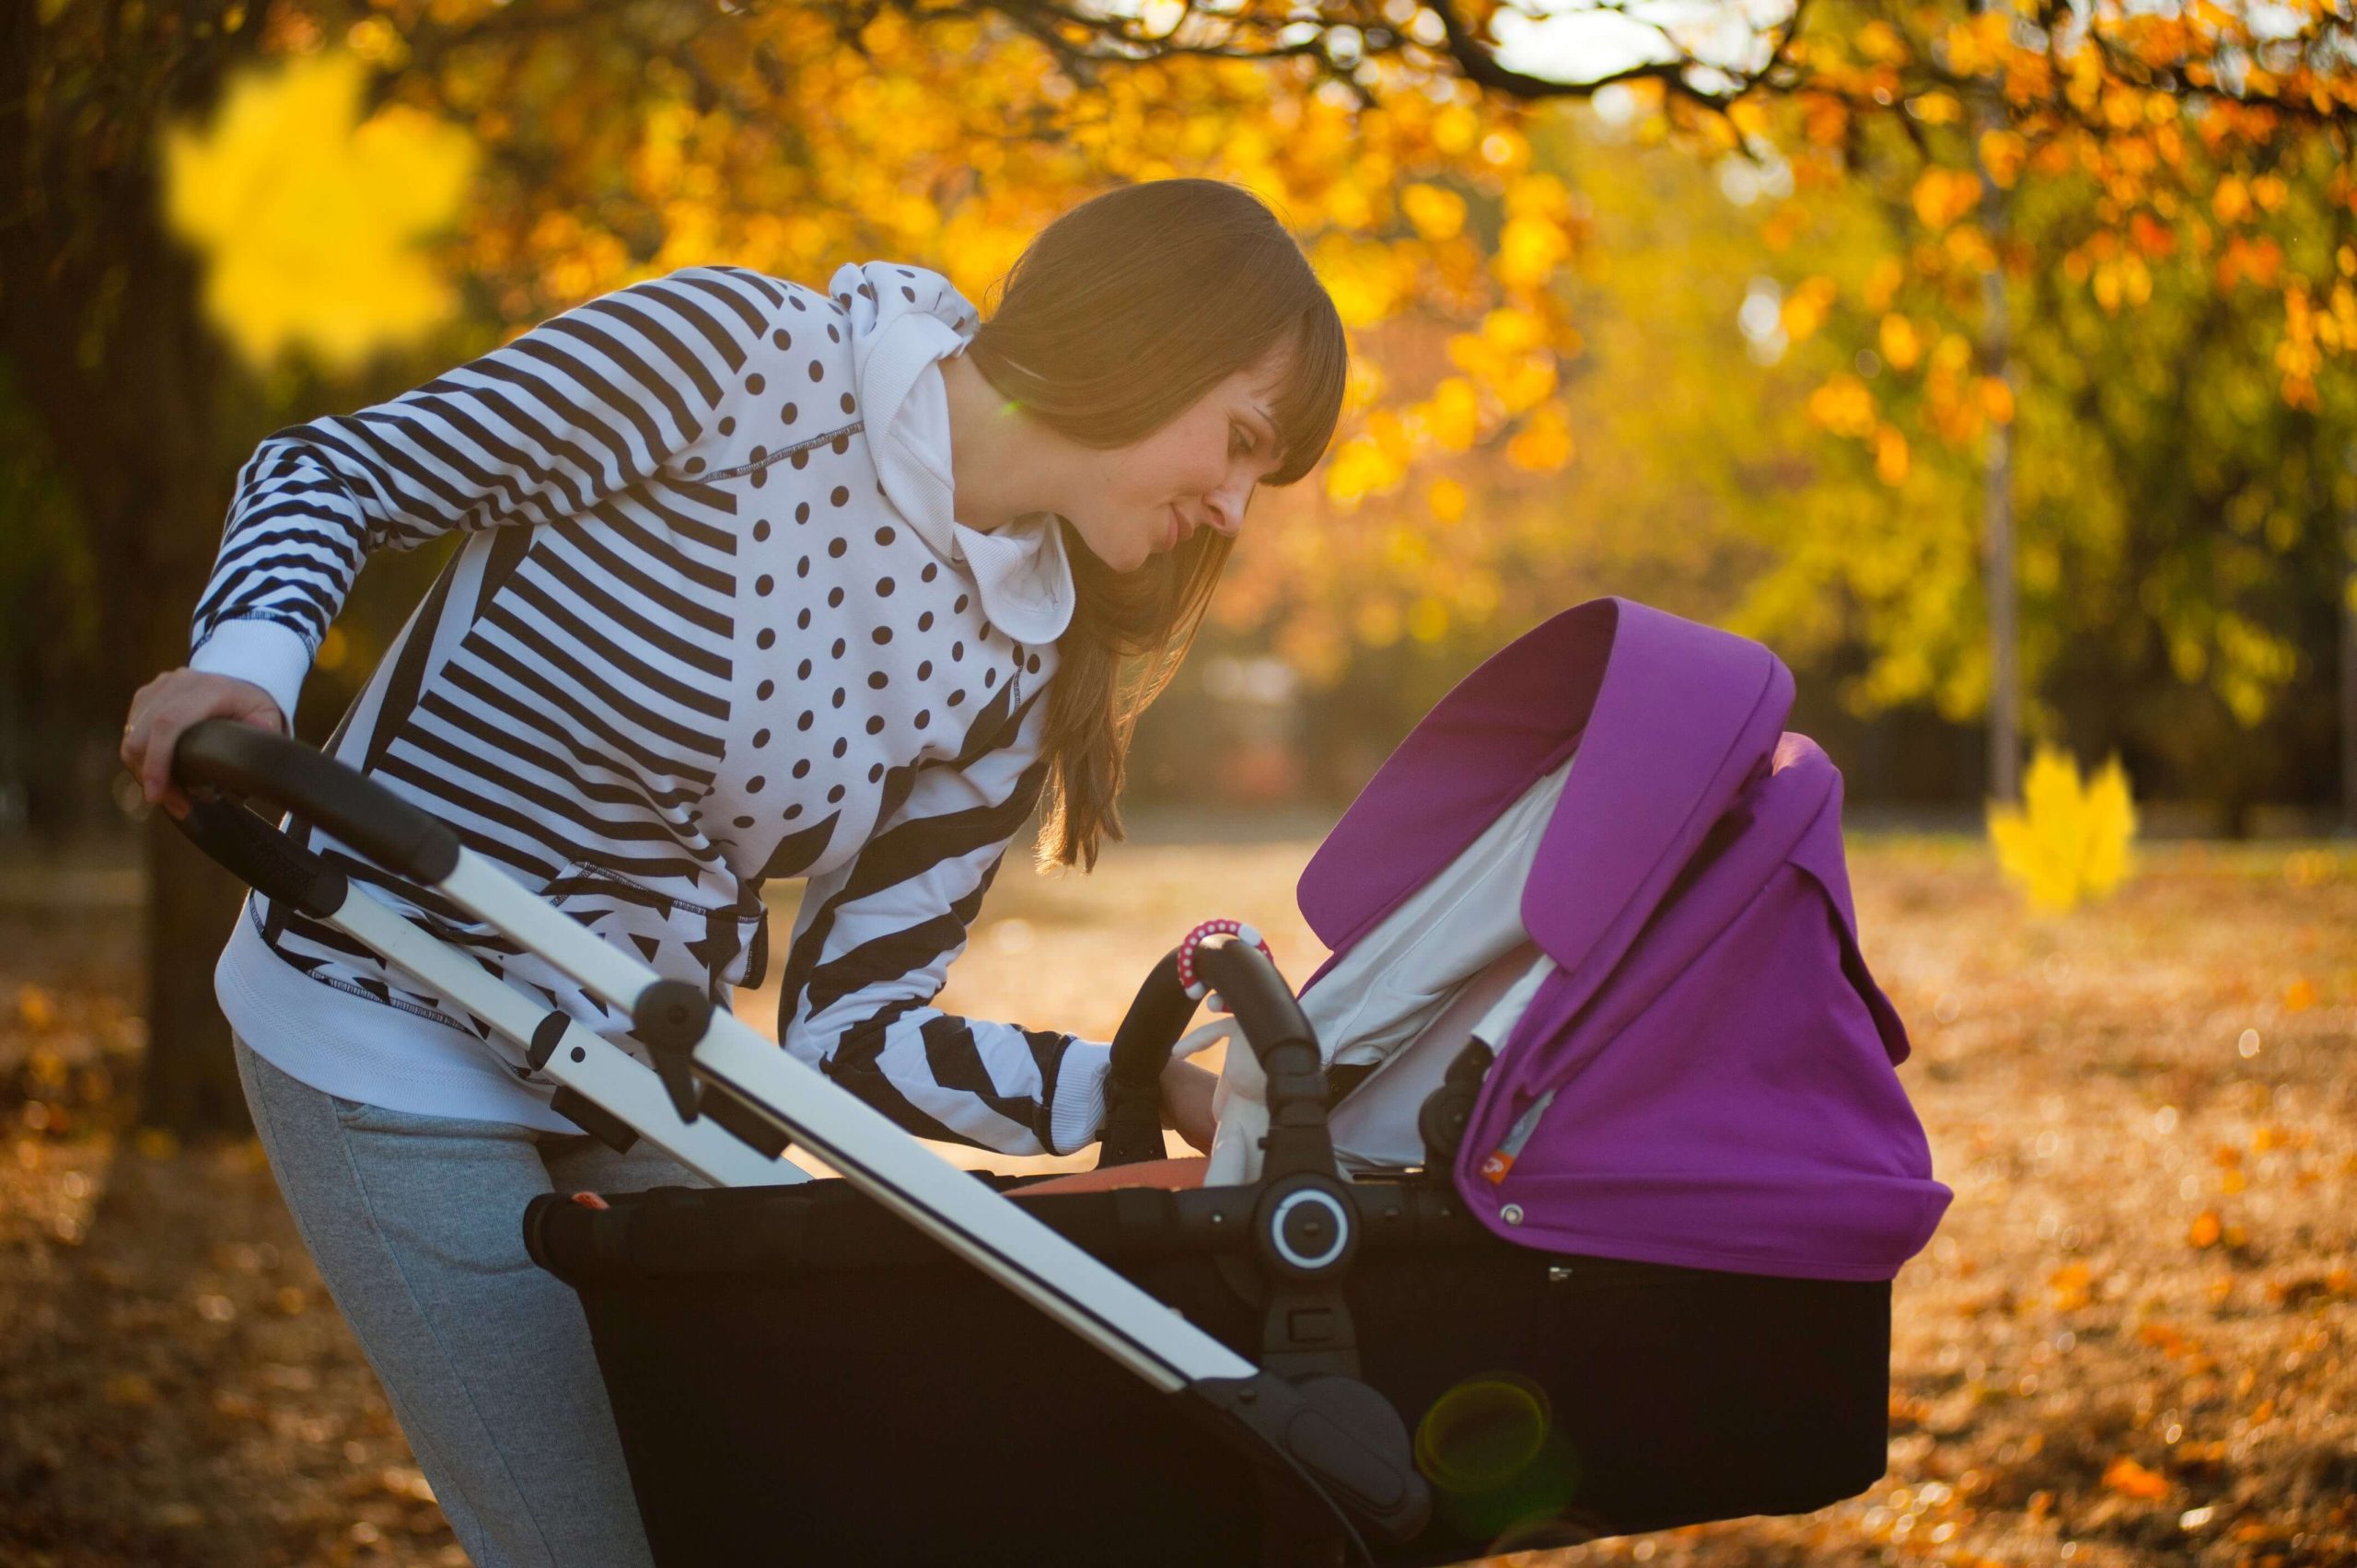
[{"x": 1178, "y": 529}]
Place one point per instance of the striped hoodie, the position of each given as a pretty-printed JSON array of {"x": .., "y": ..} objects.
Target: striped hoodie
[{"x": 712, "y": 623}]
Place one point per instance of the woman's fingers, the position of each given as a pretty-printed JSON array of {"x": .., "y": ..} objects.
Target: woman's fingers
[
  {"x": 1187, "y": 1092},
  {"x": 164, "y": 709}
]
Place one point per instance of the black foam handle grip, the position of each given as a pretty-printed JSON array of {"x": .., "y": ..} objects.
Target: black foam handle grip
[
  {"x": 1280, "y": 1035},
  {"x": 240, "y": 760},
  {"x": 263, "y": 858},
  {"x": 1266, "y": 1012},
  {"x": 1157, "y": 1017}
]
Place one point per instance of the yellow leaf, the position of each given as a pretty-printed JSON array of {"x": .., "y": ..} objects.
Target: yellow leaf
[
  {"x": 1454, "y": 415},
  {"x": 1437, "y": 213},
  {"x": 1843, "y": 406},
  {"x": 2206, "y": 1229},
  {"x": 2065, "y": 841},
  {"x": 36, "y": 1008},
  {"x": 310, "y": 220},
  {"x": 2129, "y": 1478},
  {"x": 1940, "y": 196},
  {"x": 2001, "y": 154},
  {"x": 1529, "y": 249},
  {"x": 1937, "y": 109},
  {"x": 1900, "y": 346},
  {"x": 1544, "y": 443},
  {"x": 1891, "y": 460},
  {"x": 1882, "y": 284},
  {"x": 1447, "y": 501},
  {"x": 1804, "y": 309},
  {"x": 1879, "y": 42}
]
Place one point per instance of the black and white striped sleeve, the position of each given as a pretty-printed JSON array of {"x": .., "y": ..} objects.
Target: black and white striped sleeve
[
  {"x": 872, "y": 947},
  {"x": 632, "y": 384}
]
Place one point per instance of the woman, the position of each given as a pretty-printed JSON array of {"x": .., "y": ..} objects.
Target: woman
[{"x": 759, "y": 582}]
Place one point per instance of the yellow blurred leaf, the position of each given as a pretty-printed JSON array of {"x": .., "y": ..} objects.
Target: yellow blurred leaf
[
  {"x": 1900, "y": 345},
  {"x": 36, "y": 1008},
  {"x": 311, "y": 220},
  {"x": 1940, "y": 196},
  {"x": 2067, "y": 841},
  {"x": 1447, "y": 501},
  {"x": 1544, "y": 443},
  {"x": 1437, "y": 213},
  {"x": 1454, "y": 415},
  {"x": 1530, "y": 249},
  {"x": 2129, "y": 1478},
  {"x": 1937, "y": 109},
  {"x": 1803, "y": 309},
  {"x": 1891, "y": 458},
  {"x": 1844, "y": 406},
  {"x": 2001, "y": 154},
  {"x": 1880, "y": 43}
]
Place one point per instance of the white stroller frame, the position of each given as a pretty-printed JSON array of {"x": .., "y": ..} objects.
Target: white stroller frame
[{"x": 1335, "y": 1436}]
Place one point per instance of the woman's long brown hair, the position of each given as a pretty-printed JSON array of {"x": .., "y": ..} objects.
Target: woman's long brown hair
[{"x": 1118, "y": 317}]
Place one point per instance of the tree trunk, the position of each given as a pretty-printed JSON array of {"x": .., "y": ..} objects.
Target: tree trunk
[
  {"x": 2349, "y": 673},
  {"x": 1997, "y": 502},
  {"x": 99, "y": 321},
  {"x": 173, "y": 509},
  {"x": 190, "y": 1081}
]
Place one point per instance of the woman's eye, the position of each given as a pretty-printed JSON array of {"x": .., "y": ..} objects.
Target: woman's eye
[{"x": 1235, "y": 450}]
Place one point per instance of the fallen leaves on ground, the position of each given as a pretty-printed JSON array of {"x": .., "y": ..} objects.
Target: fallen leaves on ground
[{"x": 2129, "y": 1343}]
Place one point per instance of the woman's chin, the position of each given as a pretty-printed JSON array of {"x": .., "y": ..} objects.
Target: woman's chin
[{"x": 1135, "y": 559}]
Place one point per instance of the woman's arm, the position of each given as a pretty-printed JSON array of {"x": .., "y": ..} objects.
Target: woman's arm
[
  {"x": 872, "y": 947},
  {"x": 634, "y": 384}
]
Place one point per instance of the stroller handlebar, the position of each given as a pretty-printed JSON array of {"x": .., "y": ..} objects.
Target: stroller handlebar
[
  {"x": 1267, "y": 1017},
  {"x": 237, "y": 758}
]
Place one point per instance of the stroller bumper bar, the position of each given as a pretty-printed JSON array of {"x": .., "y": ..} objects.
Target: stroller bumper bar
[{"x": 1341, "y": 1440}]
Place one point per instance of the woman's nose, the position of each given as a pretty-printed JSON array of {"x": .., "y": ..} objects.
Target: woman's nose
[{"x": 1226, "y": 505}]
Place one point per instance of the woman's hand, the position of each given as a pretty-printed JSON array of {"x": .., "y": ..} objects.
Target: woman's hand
[
  {"x": 1187, "y": 1103},
  {"x": 167, "y": 705}
]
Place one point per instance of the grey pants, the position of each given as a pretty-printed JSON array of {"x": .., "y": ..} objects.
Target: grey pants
[{"x": 416, "y": 1224}]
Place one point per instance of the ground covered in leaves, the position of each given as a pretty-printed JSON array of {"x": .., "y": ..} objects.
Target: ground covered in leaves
[{"x": 2134, "y": 1340}]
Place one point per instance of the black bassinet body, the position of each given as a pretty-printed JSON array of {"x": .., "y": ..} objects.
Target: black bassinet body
[{"x": 798, "y": 1375}]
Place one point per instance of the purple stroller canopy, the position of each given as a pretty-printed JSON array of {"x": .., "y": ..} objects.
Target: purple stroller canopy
[{"x": 1714, "y": 1067}]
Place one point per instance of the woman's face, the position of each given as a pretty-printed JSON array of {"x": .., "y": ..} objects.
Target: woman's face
[{"x": 1198, "y": 471}]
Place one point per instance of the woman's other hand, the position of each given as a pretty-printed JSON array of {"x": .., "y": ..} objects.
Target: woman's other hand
[
  {"x": 167, "y": 705},
  {"x": 1187, "y": 1103}
]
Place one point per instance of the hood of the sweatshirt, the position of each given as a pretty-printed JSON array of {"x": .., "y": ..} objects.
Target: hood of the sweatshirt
[{"x": 904, "y": 322}]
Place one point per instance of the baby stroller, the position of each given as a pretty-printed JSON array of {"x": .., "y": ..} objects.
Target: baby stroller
[{"x": 1639, "y": 1277}]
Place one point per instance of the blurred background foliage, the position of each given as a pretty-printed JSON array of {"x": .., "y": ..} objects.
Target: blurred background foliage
[{"x": 1991, "y": 363}]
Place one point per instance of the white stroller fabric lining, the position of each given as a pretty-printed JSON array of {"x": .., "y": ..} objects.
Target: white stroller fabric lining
[{"x": 1452, "y": 963}]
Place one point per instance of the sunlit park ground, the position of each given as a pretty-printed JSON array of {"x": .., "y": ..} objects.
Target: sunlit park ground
[{"x": 2131, "y": 1341}]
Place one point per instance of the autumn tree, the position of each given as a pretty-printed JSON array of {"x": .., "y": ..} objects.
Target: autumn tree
[{"x": 617, "y": 142}]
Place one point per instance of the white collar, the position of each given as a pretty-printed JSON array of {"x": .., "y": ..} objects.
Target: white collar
[{"x": 905, "y": 320}]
